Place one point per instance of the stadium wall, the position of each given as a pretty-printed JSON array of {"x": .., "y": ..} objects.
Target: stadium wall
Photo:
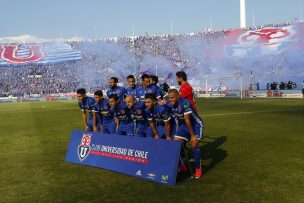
[{"x": 255, "y": 94}]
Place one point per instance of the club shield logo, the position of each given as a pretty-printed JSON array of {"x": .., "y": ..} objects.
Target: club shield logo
[
  {"x": 84, "y": 147},
  {"x": 9, "y": 53}
]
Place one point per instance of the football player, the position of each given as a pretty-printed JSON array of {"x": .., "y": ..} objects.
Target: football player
[
  {"x": 124, "y": 122},
  {"x": 189, "y": 126}
]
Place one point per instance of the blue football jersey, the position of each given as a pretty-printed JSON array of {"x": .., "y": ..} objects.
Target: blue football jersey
[
  {"x": 131, "y": 91},
  {"x": 104, "y": 111},
  {"x": 120, "y": 91},
  {"x": 160, "y": 114},
  {"x": 184, "y": 107},
  {"x": 160, "y": 91},
  {"x": 88, "y": 106},
  {"x": 142, "y": 91},
  {"x": 139, "y": 113},
  {"x": 123, "y": 113}
]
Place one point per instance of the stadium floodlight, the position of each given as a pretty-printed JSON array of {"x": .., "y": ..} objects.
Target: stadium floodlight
[
  {"x": 220, "y": 84},
  {"x": 243, "y": 13}
]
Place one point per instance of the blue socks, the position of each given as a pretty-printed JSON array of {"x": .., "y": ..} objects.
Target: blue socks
[{"x": 197, "y": 157}]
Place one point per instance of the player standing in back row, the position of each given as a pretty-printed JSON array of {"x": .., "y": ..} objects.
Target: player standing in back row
[
  {"x": 115, "y": 89},
  {"x": 131, "y": 90},
  {"x": 185, "y": 91},
  {"x": 146, "y": 88}
]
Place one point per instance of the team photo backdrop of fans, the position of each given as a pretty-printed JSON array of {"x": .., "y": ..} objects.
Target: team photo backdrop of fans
[{"x": 271, "y": 53}]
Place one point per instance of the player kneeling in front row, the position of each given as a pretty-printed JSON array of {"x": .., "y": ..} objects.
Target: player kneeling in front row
[
  {"x": 159, "y": 117},
  {"x": 102, "y": 111},
  {"x": 86, "y": 104},
  {"x": 190, "y": 126},
  {"x": 123, "y": 119}
]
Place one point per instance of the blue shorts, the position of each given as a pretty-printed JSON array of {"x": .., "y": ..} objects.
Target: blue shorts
[
  {"x": 143, "y": 131},
  {"x": 90, "y": 124},
  {"x": 109, "y": 127},
  {"x": 125, "y": 129},
  {"x": 183, "y": 132},
  {"x": 161, "y": 130}
]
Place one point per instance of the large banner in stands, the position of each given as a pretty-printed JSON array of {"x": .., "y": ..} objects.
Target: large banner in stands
[
  {"x": 146, "y": 158},
  {"x": 44, "y": 53}
]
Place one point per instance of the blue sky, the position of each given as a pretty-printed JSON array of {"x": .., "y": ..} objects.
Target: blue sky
[{"x": 90, "y": 18}]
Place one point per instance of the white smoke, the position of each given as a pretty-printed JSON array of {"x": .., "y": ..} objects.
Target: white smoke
[{"x": 200, "y": 56}]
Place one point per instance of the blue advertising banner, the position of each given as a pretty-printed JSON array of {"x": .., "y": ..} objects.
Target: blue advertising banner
[{"x": 150, "y": 159}]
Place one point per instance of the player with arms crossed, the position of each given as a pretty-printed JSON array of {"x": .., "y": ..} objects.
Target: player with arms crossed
[{"x": 189, "y": 126}]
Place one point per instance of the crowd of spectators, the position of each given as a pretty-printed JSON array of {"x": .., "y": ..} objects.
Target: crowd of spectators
[{"x": 67, "y": 77}]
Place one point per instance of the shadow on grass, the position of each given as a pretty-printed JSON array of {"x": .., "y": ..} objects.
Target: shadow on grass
[
  {"x": 211, "y": 152},
  {"x": 211, "y": 156}
]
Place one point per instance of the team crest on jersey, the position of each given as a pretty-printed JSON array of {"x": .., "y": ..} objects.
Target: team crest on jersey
[
  {"x": 122, "y": 111},
  {"x": 149, "y": 91},
  {"x": 84, "y": 147}
]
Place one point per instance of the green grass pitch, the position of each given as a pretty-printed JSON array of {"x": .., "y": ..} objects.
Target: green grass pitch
[{"x": 253, "y": 151}]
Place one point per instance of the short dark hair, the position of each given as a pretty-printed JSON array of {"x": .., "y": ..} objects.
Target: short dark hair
[
  {"x": 154, "y": 78},
  {"x": 113, "y": 96},
  {"x": 181, "y": 74},
  {"x": 98, "y": 93},
  {"x": 144, "y": 76},
  {"x": 150, "y": 96},
  {"x": 130, "y": 77},
  {"x": 165, "y": 87},
  {"x": 115, "y": 79},
  {"x": 81, "y": 91}
]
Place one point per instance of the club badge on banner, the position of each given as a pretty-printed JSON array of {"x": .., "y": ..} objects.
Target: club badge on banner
[{"x": 150, "y": 159}]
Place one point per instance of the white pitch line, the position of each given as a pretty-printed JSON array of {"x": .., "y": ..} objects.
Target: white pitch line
[{"x": 249, "y": 112}]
